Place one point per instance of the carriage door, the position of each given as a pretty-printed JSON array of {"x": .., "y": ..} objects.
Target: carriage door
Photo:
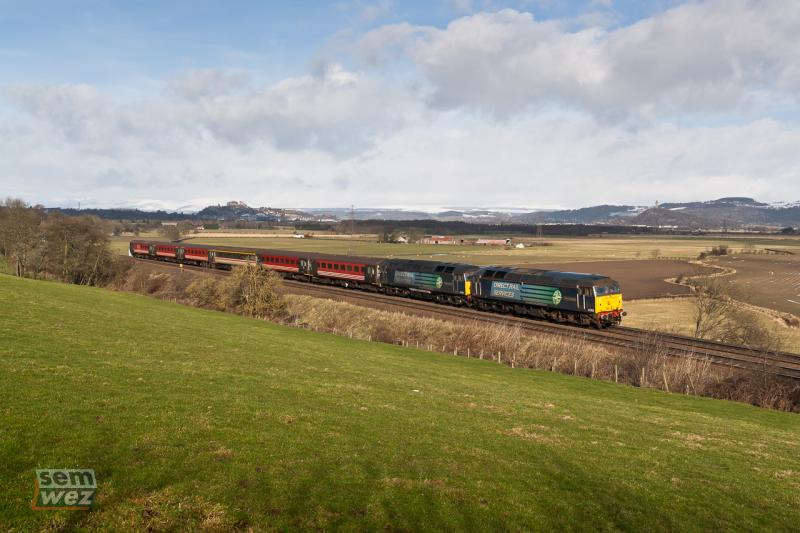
[{"x": 583, "y": 292}]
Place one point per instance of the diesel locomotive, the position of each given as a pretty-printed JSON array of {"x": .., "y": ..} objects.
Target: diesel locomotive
[{"x": 568, "y": 297}]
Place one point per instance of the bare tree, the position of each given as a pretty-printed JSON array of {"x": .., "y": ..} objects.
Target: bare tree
[
  {"x": 76, "y": 249},
  {"x": 712, "y": 303},
  {"x": 171, "y": 232},
  {"x": 19, "y": 233},
  {"x": 745, "y": 330}
]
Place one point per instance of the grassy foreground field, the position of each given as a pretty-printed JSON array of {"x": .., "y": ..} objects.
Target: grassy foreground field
[{"x": 201, "y": 420}]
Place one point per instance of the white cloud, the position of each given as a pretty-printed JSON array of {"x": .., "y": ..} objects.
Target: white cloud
[
  {"x": 548, "y": 159},
  {"x": 338, "y": 111},
  {"x": 699, "y": 57}
]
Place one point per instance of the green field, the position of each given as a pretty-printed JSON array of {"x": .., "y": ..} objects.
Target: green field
[{"x": 198, "y": 420}]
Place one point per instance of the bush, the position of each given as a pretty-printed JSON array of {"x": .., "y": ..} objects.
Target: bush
[
  {"x": 253, "y": 291},
  {"x": 205, "y": 292}
]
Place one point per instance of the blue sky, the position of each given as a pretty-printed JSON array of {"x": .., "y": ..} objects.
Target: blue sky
[
  {"x": 109, "y": 42},
  {"x": 390, "y": 103}
]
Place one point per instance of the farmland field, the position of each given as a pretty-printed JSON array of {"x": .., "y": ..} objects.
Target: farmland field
[
  {"x": 201, "y": 420},
  {"x": 771, "y": 281},
  {"x": 556, "y": 250}
]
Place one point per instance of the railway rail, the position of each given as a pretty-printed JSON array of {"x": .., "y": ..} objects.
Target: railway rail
[{"x": 783, "y": 364}]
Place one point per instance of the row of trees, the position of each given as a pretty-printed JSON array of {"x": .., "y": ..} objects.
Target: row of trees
[{"x": 40, "y": 244}]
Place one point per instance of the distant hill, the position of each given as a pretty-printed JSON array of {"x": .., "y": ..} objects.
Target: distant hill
[
  {"x": 729, "y": 212},
  {"x": 584, "y": 215},
  {"x": 123, "y": 214},
  {"x": 241, "y": 211},
  {"x": 662, "y": 217}
]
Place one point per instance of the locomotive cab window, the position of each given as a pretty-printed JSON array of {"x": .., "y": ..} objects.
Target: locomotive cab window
[{"x": 612, "y": 288}]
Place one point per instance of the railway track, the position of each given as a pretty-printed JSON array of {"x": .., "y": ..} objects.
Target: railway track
[{"x": 783, "y": 364}]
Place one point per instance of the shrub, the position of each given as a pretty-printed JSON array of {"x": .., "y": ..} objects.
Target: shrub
[
  {"x": 253, "y": 291},
  {"x": 205, "y": 292}
]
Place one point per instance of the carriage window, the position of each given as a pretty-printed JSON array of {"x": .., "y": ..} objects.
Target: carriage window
[
  {"x": 448, "y": 270},
  {"x": 439, "y": 268},
  {"x": 349, "y": 268}
]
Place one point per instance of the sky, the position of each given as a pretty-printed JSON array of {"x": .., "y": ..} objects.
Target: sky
[{"x": 535, "y": 104}]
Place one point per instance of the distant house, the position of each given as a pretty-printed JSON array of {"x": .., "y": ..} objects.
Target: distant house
[
  {"x": 493, "y": 242},
  {"x": 166, "y": 223},
  {"x": 440, "y": 239},
  {"x": 402, "y": 239}
]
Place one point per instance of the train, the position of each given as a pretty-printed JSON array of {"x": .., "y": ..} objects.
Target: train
[{"x": 565, "y": 297}]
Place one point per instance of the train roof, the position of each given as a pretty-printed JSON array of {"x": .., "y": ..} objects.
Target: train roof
[
  {"x": 272, "y": 251},
  {"x": 429, "y": 266},
  {"x": 544, "y": 276}
]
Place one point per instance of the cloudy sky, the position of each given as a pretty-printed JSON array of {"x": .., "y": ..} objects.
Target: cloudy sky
[{"x": 399, "y": 103}]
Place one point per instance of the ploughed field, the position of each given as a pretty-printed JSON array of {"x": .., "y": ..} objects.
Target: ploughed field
[
  {"x": 771, "y": 281},
  {"x": 195, "y": 419}
]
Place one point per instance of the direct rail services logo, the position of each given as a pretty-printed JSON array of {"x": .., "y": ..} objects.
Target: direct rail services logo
[{"x": 60, "y": 488}]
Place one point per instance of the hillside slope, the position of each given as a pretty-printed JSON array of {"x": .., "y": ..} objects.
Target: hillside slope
[{"x": 196, "y": 419}]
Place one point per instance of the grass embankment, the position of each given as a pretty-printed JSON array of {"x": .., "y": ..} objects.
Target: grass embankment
[{"x": 198, "y": 419}]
